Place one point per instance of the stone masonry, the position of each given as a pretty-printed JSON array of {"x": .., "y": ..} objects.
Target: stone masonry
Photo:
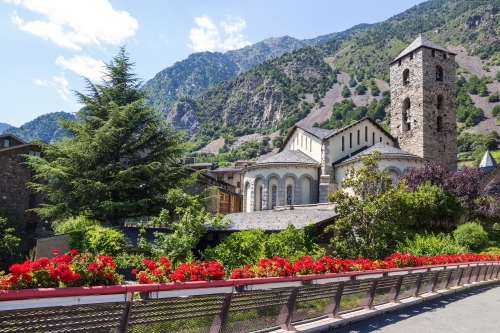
[{"x": 423, "y": 116}]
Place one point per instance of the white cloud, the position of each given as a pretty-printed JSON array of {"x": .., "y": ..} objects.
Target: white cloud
[
  {"x": 83, "y": 65},
  {"x": 39, "y": 82},
  {"x": 77, "y": 22},
  {"x": 206, "y": 36},
  {"x": 62, "y": 87}
]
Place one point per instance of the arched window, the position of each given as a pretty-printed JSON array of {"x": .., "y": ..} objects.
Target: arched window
[
  {"x": 439, "y": 102},
  {"x": 406, "y": 77},
  {"x": 273, "y": 197},
  {"x": 261, "y": 204},
  {"x": 289, "y": 195},
  {"x": 439, "y": 73},
  {"x": 406, "y": 125},
  {"x": 439, "y": 124}
]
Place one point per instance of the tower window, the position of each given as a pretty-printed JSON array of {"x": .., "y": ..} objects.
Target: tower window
[
  {"x": 350, "y": 140},
  {"x": 406, "y": 77},
  {"x": 433, "y": 53},
  {"x": 439, "y": 73},
  {"x": 411, "y": 56},
  {"x": 342, "y": 143},
  {"x": 444, "y": 56},
  {"x": 439, "y": 124},
  {"x": 440, "y": 102},
  {"x": 399, "y": 62},
  {"x": 406, "y": 125}
]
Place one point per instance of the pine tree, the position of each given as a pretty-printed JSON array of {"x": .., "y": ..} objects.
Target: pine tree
[{"x": 119, "y": 159}]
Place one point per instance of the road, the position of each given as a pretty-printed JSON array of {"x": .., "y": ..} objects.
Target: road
[{"x": 473, "y": 310}]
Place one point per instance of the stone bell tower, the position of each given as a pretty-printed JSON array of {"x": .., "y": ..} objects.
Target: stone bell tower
[{"x": 423, "y": 116}]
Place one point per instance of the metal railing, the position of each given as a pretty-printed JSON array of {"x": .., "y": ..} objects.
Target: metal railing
[{"x": 231, "y": 306}]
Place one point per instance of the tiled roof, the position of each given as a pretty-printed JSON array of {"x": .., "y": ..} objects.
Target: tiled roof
[
  {"x": 488, "y": 162},
  {"x": 317, "y": 132},
  {"x": 385, "y": 151},
  {"x": 278, "y": 220},
  {"x": 288, "y": 157},
  {"x": 419, "y": 42}
]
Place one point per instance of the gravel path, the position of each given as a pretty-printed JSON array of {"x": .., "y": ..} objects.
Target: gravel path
[{"x": 474, "y": 310}]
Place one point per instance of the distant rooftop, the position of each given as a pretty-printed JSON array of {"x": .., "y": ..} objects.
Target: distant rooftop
[
  {"x": 488, "y": 162},
  {"x": 320, "y": 133},
  {"x": 288, "y": 157},
  {"x": 384, "y": 149},
  {"x": 278, "y": 220}
]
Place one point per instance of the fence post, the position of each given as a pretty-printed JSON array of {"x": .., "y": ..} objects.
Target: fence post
[
  {"x": 415, "y": 286},
  {"x": 457, "y": 278},
  {"x": 495, "y": 274},
  {"x": 469, "y": 275},
  {"x": 332, "y": 308},
  {"x": 475, "y": 273},
  {"x": 395, "y": 289},
  {"x": 483, "y": 275},
  {"x": 492, "y": 271},
  {"x": 286, "y": 312},
  {"x": 123, "y": 325},
  {"x": 431, "y": 285},
  {"x": 446, "y": 279},
  {"x": 220, "y": 319},
  {"x": 367, "y": 301}
]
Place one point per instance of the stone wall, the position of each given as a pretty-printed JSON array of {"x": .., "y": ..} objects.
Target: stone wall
[
  {"x": 14, "y": 177},
  {"x": 423, "y": 138}
]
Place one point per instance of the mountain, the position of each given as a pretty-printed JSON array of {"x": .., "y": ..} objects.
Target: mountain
[
  {"x": 4, "y": 126},
  {"x": 301, "y": 85},
  {"x": 44, "y": 128},
  {"x": 202, "y": 70}
]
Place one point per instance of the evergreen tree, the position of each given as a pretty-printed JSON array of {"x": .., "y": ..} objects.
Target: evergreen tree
[{"x": 120, "y": 158}]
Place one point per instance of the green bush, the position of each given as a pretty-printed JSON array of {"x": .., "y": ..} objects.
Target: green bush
[
  {"x": 352, "y": 83},
  {"x": 495, "y": 97},
  {"x": 346, "y": 92},
  {"x": 491, "y": 250},
  {"x": 471, "y": 236},
  {"x": 128, "y": 260},
  {"x": 72, "y": 224},
  {"x": 496, "y": 110},
  {"x": 430, "y": 245},
  {"x": 105, "y": 241}
]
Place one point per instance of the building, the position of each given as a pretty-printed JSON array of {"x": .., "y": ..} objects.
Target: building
[
  {"x": 311, "y": 162},
  {"x": 14, "y": 177}
]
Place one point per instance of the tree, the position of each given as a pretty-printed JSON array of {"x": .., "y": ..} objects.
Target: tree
[
  {"x": 428, "y": 172},
  {"x": 464, "y": 183},
  {"x": 186, "y": 231},
  {"x": 371, "y": 218},
  {"x": 9, "y": 244},
  {"x": 120, "y": 158},
  {"x": 495, "y": 97},
  {"x": 346, "y": 92}
]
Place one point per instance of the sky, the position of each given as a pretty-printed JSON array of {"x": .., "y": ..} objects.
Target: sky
[{"x": 48, "y": 46}]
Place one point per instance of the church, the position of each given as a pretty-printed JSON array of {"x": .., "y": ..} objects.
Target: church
[{"x": 312, "y": 161}]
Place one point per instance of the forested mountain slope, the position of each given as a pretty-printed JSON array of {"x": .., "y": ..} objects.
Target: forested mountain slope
[
  {"x": 191, "y": 76},
  {"x": 44, "y": 128}
]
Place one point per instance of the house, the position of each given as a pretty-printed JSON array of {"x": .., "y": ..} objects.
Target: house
[{"x": 14, "y": 177}]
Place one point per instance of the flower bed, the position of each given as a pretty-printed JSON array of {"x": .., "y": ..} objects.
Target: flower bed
[{"x": 74, "y": 269}]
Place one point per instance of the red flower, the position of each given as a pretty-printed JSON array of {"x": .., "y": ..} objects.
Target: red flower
[
  {"x": 55, "y": 251},
  {"x": 73, "y": 252}
]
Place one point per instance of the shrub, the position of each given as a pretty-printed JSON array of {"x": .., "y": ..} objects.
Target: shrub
[
  {"x": 496, "y": 111},
  {"x": 346, "y": 92},
  {"x": 361, "y": 89},
  {"x": 491, "y": 250},
  {"x": 495, "y": 97},
  {"x": 430, "y": 245},
  {"x": 105, "y": 241},
  {"x": 78, "y": 223},
  {"x": 471, "y": 236},
  {"x": 352, "y": 83}
]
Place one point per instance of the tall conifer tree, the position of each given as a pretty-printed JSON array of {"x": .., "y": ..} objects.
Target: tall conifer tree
[{"x": 120, "y": 158}]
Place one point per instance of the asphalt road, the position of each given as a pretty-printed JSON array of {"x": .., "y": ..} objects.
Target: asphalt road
[{"x": 473, "y": 310}]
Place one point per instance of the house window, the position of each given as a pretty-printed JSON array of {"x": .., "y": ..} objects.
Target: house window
[
  {"x": 273, "y": 197},
  {"x": 373, "y": 138},
  {"x": 301, "y": 141},
  {"x": 261, "y": 198},
  {"x": 350, "y": 140},
  {"x": 6, "y": 143},
  {"x": 366, "y": 133},
  {"x": 439, "y": 124},
  {"x": 444, "y": 56},
  {"x": 439, "y": 73},
  {"x": 289, "y": 195},
  {"x": 358, "y": 137},
  {"x": 406, "y": 77},
  {"x": 31, "y": 216},
  {"x": 238, "y": 184},
  {"x": 411, "y": 56},
  {"x": 433, "y": 53},
  {"x": 306, "y": 143},
  {"x": 399, "y": 62},
  {"x": 380, "y": 139},
  {"x": 406, "y": 125},
  {"x": 342, "y": 143},
  {"x": 221, "y": 179},
  {"x": 310, "y": 145},
  {"x": 34, "y": 153}
]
